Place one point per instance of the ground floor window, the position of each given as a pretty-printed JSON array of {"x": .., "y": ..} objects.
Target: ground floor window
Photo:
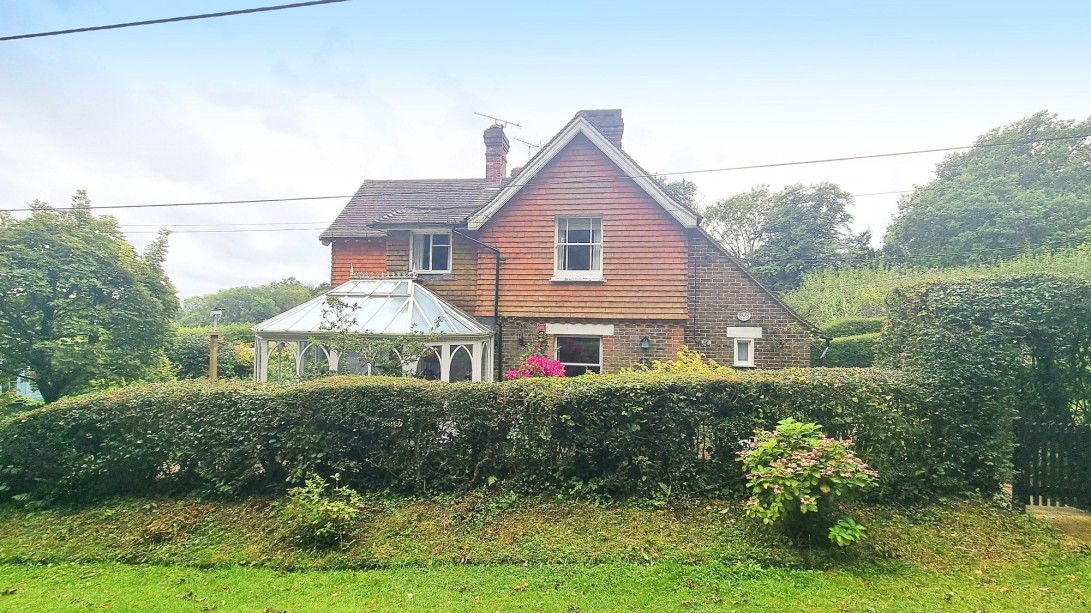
[
  {"x": 744, "y": 352},
  {"x": 579, "y": 354}
]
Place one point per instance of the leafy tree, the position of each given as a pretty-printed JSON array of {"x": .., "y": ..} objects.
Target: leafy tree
[
  {"x": 249, "y": 304},
  {"x": 787, "y": 233},
  {"x": 739, "y": 221},
  {"x": 999, "y": 199},
  {"x": 78, "y": 305},
  {"x": 682, "y": 191}
]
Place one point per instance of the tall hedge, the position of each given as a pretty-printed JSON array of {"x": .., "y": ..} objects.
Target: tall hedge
[
  {"x": 852, "y": 326},
  {"x": 990, "y": 351},
  {"x": 856, "y": 351},
  {"x": 636, "y": 434}
]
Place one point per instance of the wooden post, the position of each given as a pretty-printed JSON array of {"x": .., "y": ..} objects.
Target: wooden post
[{"x": 213, "y": 355}]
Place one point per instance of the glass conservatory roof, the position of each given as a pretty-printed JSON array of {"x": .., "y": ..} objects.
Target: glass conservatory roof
[{"x": 381, "y": 307}]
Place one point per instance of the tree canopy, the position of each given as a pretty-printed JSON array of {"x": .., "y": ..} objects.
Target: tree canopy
[
  {"x": 249, "y": 304},
  {"x": 78, "y": 304},
  {"x": 787, "y": 233},
  {"x": 1012, "y": 192}
]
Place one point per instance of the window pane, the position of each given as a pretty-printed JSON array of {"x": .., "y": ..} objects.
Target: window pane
[
  {"x": 582, "y": 350},
  {"x": 596, "y": 231},
  {"x": 596, "y": 257},
  {"x": 441, "y": 239},
  {"x": 462, "y": 365},
  {"x": 562, "y": 230},
  {"x": 742, "y": 351},
  {"x": 441, "y": 255},
  {"x": 428, "y": 367},
  {"x": 578, "y": 257}
]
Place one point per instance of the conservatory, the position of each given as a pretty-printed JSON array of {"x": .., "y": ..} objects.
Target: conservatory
[{"x": 381, "y": 311}]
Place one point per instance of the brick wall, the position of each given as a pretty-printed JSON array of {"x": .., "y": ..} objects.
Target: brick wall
[
  {"x": 620, "y": 350},
  {"x": 718, "y": 291}
]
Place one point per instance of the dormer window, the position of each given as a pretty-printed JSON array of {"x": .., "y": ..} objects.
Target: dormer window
[
  {"x": 579, "y": 249},
  {"x": 431, "y": 251}
]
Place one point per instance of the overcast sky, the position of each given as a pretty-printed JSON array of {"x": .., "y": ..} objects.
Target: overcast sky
[{"x": 312, "y": 101}]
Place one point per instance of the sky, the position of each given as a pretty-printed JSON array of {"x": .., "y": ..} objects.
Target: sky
[{"x": 312, "y": 101}]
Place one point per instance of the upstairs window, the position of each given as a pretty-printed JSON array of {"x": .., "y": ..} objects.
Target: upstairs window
[
  {"x": 431, "y": 251},
  {"x": 579, "y": 248},
  {"x": 579, "y": 354}
]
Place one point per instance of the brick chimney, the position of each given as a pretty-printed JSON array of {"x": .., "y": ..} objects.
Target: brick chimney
[
  {"x": 496, "y": 155},
  {"x": 608, "y": 122}
]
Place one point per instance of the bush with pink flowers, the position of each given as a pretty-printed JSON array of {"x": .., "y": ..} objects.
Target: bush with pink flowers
[
  {"x": 537, "y": 366},
  {"x": 796, "y": 474}
]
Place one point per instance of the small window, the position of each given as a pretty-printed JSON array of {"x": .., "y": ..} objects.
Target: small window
[
  {"x": 431, "y": 251},
  {"x": 579, "y": 354},
  {"x": 744, "y": 352},
  {"x": 579, "y": 247}
]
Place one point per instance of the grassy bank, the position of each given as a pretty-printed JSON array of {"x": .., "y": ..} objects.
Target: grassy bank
[{"x": 494, "y": 553}]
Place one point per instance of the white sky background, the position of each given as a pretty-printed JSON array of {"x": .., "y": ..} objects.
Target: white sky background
[{"x": 312, "y": 101}]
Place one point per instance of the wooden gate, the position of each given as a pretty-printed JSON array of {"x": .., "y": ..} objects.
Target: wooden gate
[{"x": 1053, "y": 465}]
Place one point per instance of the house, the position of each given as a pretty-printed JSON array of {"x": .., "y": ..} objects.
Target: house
[{"x": 597, "y": 264}]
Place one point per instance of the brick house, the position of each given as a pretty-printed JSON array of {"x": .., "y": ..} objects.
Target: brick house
[{"x": 595, "y": 260}]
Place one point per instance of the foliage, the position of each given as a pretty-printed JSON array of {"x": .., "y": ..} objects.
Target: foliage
[
  {"x": 681, "y": 191},
  {"x": 846, "y": 532},
  {"x": 857, "y": 351},
  {"x": 785, "y": 234},
  {"x": 992, "y": 202},
  {"x": 249, "y": 304},
  {"x": 851, "y": 326},
  {"x": 78, "y": 306},
  {"x": 637, "y": 434},
  {"x": 795, "y": 475},
  {"x": 537, "y": 366},
  {"x": 861, "y": 291},
  {"x": 990, "y": 350},
  {"x": 688, "y": 362},
  {"x": 188, "y": 351},
  {"x": 321, "y": 516}
]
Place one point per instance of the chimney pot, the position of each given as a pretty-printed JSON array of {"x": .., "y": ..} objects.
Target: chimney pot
[
  {"x": 608, "y": 122},
  {"x": 496, "y": 155}
]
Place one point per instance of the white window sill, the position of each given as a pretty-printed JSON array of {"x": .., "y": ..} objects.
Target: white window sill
[{"x": 563, "y": 278}]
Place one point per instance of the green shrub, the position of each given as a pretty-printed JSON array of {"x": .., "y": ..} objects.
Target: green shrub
[
  {"x": 640, "y": 434},
  {"x": 319, "y": 516},
  {"x": 846, "y": 351},
  {"x": 796, "y": 477},
  {"x": 989, "y": 351},
  {"x": 188, "y": 352},
  {"x": 852, "y": 326}
]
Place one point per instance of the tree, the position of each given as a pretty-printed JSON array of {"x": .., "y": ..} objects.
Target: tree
[
  {"x": 787, "y": 233},
  {"x": 739, "y": 221},
  {"x": 77, "y": 303},
  {"x": 681, "y": 191},
  {"x": 249, "y": 304},
  {"x": 1004, "y": 196}
]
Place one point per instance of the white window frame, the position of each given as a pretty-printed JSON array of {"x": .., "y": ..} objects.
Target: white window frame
[
  {"x": 414, "y": 237},
  {"x": 561, "y": 274},
  {"x": 749, "y": 362},
  {"x": 557, "y": 351}
]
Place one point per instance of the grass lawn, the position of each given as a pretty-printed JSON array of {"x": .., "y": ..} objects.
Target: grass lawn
[{"x": 488, "y": 554}]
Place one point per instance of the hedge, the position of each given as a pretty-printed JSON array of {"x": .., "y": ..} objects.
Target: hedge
[
  {"x": 615, "y": 435},
  {"x": 846, "y": 351},
  {"x": 853, "y": 326}
]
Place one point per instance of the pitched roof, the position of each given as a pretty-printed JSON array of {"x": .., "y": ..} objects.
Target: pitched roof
[
  {"x": 379, "y": 204},
  {"x": 580, "y": 124}
]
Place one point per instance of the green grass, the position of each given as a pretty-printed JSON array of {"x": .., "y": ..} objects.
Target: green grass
[
  {"x": 831, "y": 294},
  {"x": 487, "y": 553}
]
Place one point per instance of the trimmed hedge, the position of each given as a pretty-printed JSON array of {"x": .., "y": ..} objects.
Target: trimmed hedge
[
  {"x": 619, "y": 435},
  {"x": 853, "y": 326},
  {"x": 848, "y": 351}
]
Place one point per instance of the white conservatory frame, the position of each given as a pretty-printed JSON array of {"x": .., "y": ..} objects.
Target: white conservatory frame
[{"x": 389, "y": 306}]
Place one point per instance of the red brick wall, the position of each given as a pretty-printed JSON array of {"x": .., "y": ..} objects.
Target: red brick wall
[
  {"x": 356, "y": 255},
  {"x": 718, "y": 290},
  {"x": 620, "y": 350}
]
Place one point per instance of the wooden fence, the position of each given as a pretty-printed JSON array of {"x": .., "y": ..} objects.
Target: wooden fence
[{"x": 1053, "y": 465}]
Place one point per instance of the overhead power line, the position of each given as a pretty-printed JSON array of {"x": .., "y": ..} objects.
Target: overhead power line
[
  {"x": 620, "y": 179},
  {"x": 132, "y": 24}
]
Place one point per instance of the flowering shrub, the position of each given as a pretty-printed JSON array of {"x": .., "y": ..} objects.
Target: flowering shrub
[
  {"x": 687, "y": 362},
  {"x": 537, "y": 366},
  {"x": 795, "y": 474}
]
